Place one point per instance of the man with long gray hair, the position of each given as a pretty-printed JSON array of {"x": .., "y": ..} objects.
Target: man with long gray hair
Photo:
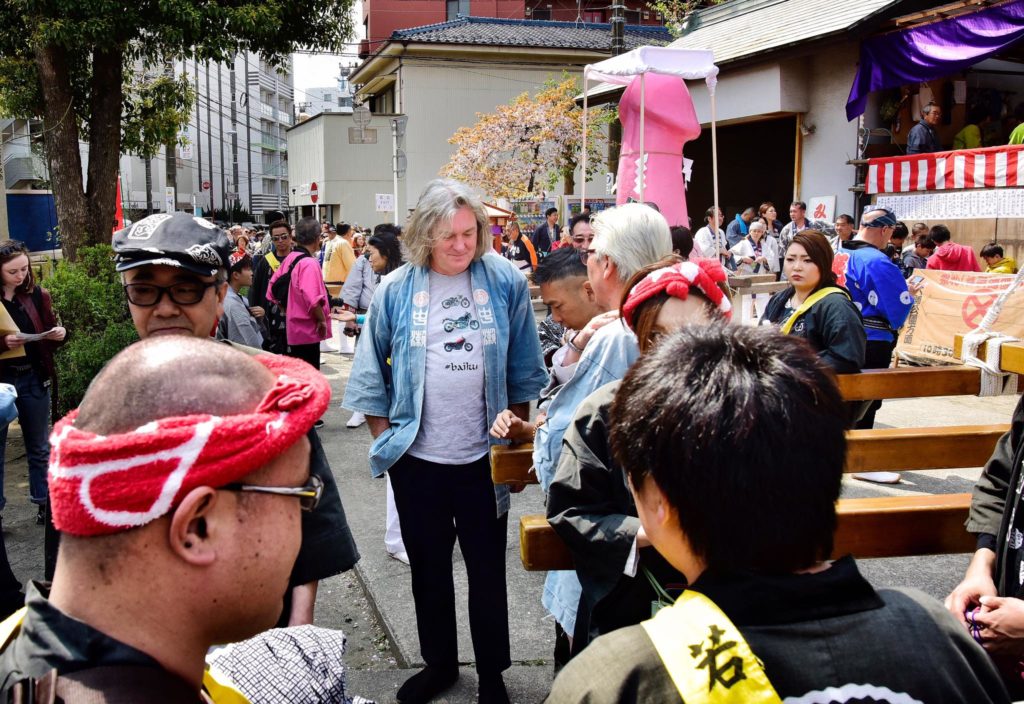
[{"x": 450, "y": 340}]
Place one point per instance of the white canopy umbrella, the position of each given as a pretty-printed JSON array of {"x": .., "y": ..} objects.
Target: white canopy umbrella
[{"x": 687, "y": 64}]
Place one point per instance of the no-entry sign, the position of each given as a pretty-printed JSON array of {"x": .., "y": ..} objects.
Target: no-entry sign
[{"x": 313, "y": 192}]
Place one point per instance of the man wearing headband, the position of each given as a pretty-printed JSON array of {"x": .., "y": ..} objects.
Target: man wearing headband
[
  {"x": 877, "y": 288},
  {"x": 179, "y": 507},
  {"x": 174, "y": 271}
]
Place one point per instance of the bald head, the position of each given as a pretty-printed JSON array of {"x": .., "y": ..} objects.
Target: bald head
[{"x": 171, "y": 376}]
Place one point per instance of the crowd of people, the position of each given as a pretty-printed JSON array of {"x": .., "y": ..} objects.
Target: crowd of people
[{"x": 663, "y": 437}]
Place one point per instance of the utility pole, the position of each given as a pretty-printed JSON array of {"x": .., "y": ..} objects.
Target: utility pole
[
  {"x": 618, "y": 47},
  {"x": 170, "y": 158},
  {"x": 5, "y": 232},
  {"x": 234, "y": 135}
]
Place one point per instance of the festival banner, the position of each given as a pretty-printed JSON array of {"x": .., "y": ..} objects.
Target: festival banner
[{"x": 953, "y": 302}]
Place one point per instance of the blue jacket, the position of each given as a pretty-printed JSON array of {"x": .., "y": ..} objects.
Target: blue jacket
[
  {"x": 390, "y": 362},
  {"x": 876, "y": 286}
]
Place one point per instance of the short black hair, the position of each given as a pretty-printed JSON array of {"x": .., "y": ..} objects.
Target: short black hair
[
  {"x": 342, "y": 228},
  {"x": 279, "y": 224},
  {"x": 563, "y": 263},
  {"x": 939, "y": 233},
  {"x": 386, "y": 242},
  {"x": 743, "y": 429},
  {"x": 848, "y": 219},
  {"x": 577, "y": 219},
  {"x": 799, "y": 203},
  {"x": 899, "y": 231},
  {"x": 549, "y": 211},
  {"x": 389, "y": 227},
  {"x": 991, "y": 250},
  {"x": 244, "y": 263},
  {"x": 925, "y": 241},
  {"x": 682, "y": 240}
]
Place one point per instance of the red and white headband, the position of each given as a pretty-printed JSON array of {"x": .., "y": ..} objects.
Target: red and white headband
[
  {"x": 103, "y": 484},
  {"x": 676, "y": 280}
]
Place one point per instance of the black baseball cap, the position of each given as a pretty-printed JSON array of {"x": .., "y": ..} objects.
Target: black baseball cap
[{"x": 173, "y": 239}]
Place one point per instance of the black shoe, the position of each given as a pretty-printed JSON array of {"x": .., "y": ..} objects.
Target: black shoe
[
  {"x": 319, "y": 424},
  {"x": 492, "y": 690},
  {"x": 427, "y": 684},
  {"x": 41, "y": 515}
]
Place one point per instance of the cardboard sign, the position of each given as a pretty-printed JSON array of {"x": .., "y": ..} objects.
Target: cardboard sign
[
  {"x": 954, "y": 302},
  {"x": 385, "y": 202}
]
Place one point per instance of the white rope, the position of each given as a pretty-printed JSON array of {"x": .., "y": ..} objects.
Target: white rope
[{"x": 994, "y": 381}]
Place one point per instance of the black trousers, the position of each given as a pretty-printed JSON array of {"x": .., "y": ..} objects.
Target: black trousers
[
  {"x": 436, "y": 504},
  {"x": 307, "y": 353},
  {"x": 878, "y": 355}
]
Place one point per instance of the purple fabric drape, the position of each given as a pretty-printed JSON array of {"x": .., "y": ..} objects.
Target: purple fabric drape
[{"x": 933, "y": 51}]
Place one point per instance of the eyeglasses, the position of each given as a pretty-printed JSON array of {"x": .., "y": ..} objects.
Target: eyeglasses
[
  {"x": 186, "y": 293},
  {"x": 280, "y": 238},
  {"x": 585, "y": 255},
  {"x": 308, "y": 495}
]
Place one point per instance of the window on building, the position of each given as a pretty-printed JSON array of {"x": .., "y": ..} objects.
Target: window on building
[
  {"x": 594, "y": 17},
  {"x": 541, "y": 13},
  {"x": 456, "y": 9},
  {"x": 327, "y": 97}
]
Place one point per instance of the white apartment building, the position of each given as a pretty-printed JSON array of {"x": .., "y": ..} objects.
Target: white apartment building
[{"x": 236, "y": 149}]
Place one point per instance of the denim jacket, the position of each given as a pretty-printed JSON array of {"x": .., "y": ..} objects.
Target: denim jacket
[
  {"x": 607, "y": 357},
  {"x": 390, "y": 363}
]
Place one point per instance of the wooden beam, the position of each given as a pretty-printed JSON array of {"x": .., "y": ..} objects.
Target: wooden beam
[
  {"x": 882, "y": 449},
  {"x": 511, "y": 464},
  {"x": 910, "y": 382},
  {"x": 744, "y": 280},
  {"x": 896, "y": 449},
  {"x": 1011, "y": 355},
  {"x": 896, "y": 526},
  {"x": 885, "y": 526}
]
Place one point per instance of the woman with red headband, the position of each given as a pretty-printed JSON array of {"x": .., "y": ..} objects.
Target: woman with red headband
[
  {"x": 589, "y": 503},
  {"x": 816, "y": 307}
]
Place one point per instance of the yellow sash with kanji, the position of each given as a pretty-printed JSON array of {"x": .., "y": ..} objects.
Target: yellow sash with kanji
[
  {"x": 272, "y": 260},
  {"x": 706, "y": 656},
  {"x": 215, "y": 684},
  {"x": 806, "y": 305}
]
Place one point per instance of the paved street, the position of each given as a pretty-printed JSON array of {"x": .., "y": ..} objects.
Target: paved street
[{"x": 374, "y": 605}]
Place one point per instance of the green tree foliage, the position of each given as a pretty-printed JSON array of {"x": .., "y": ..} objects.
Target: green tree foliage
[
  {"x": 94, "y": 71},
  {"x": 675, "y": 12},
  {"x": 87, "y": 297}
]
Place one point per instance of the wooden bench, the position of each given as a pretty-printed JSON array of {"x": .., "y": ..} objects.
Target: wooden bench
[
  {"x": 885, "y": 526},
  {"x": 880, "y": 449},
  {"x": 888, "y": 526}
]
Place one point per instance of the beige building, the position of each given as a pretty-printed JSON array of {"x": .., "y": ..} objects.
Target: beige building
[
  {"x": 440, "y": 77},
  {"x": 349, "y": 166}
]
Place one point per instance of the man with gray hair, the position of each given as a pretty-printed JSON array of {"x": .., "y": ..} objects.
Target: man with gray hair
[
  {"x": 626, "y": 239},
  {"x": 449, "y": 342}
]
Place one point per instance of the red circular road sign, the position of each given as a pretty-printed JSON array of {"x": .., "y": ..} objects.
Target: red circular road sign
[
  {"x": 313, "y": 192},
  {"x": 206, "y": 185}
]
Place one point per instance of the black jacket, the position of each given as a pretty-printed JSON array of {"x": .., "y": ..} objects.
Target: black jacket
[{"x": 833, "y": 326}]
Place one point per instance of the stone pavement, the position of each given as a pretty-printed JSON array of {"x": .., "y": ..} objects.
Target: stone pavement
[{"x": 377, "y": 671}]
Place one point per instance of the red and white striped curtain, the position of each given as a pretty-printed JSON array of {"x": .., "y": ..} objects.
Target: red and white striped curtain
[{"x": 993, "y": 167}]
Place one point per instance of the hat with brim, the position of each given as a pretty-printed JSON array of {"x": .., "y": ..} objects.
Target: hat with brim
[{"x": 177, "y": 240}]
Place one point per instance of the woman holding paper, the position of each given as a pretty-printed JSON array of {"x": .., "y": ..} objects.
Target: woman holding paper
[{"x": 30, "y": 334}]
